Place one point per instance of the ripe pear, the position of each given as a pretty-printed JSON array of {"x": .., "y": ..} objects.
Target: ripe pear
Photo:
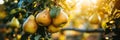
[
  {"x": 3, "y": 14},
  {"x": 95, "y": 19},
  {"x": 30, "y": 26},
  {"x": 14, "y": 23},
  {"x": 53, "y": 29},
  {"x": 19, "y": 37},
  {"x": 61, "y": 19},
  {"x": 43, "y": 18}
]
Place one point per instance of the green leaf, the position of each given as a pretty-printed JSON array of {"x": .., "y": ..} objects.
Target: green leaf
[
  {"x": 13, "y": 11},
  {"x": 37, "y": 37},
  {"x": 54, "y": 11}
]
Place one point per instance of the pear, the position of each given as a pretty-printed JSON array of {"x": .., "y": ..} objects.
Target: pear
[
  {"x": 53, "y": 29},
  {"x": 30, "y": 26},
  {"x": 19, "y": 36},
  {"x": 61, "y": 19},
  {"x": 3, "y": 14},
  {"x": 43, "y": 18},
  {"x": 95, "y": 19},
  {"x": 14, "y": 23}
]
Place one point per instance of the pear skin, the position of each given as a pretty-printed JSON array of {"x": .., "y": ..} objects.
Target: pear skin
[
  {"x": 3, "y": 14},
  {"x": 15, "y": 23},
  {"x": 43, "y": 18},
  {"x": 61, "y": 18},
  {"x": 95, "y": 19},
  {"x": 30, "y": 25},
  {"x": 53, "y": 29}
]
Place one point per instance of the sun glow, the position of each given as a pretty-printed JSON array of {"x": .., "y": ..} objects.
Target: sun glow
[{"x": 1, "y": 1}]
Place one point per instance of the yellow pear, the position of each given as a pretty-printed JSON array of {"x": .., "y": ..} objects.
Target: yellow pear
[
  {"x": 95, "y": 19},
  {"x": 61, "y": 19},
  {"x": 30, "y": 25},
  {"x": 19, "y": 36},
  {"x": 43, "y": 18},
  {"x": 53, "y": 29},
  {"x": 3, "y": 14},
  {"x": 14, "y": 23}
]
